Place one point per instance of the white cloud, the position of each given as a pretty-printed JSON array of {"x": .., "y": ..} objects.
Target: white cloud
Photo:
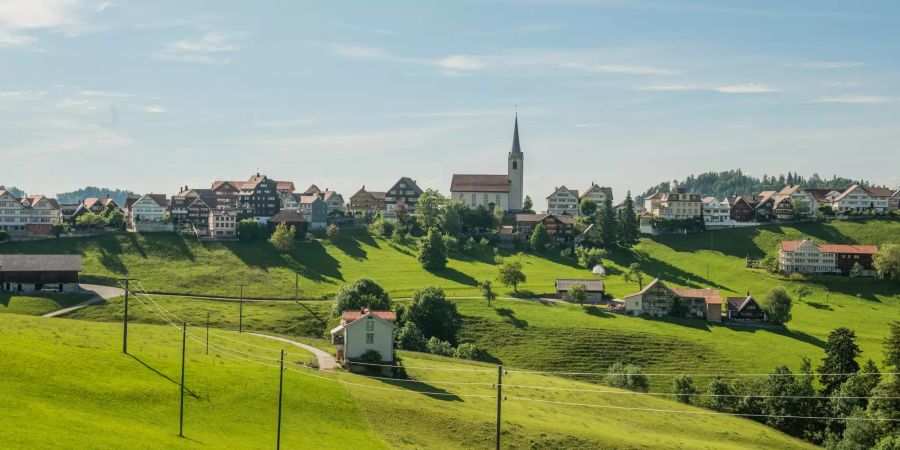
[
  {"x": 208, "y": 48},
  {"x": 826, "y": 64},
  {"x": 22, "y": 95},
  {"x": 620, "y": 69},
  {"x": 19, "y": 17},
  {"x": 854, "y": 99},
  {"x": 360, "y": 52},
  {"x": 154, "y": 109},
  {"x": 746, "y": 88},
  {"x": 461, "y": 62},
  {"x": 80, "y": 104}
]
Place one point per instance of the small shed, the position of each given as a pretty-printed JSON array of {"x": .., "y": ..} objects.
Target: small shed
[
  {"x": 35, "y": 273},
  {"x": 594, "y": 289},
  {"x": 364, "y": 330}
]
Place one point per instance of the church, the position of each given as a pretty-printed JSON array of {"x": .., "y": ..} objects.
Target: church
[{"x": 494, "y": 191}]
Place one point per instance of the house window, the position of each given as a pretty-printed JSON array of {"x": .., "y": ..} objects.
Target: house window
[
  {"x": 370, "y": 325},
  {"x": 370, "y": 338}
]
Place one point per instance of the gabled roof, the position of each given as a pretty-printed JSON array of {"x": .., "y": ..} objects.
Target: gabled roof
[
  {"x": 410, "y": 184},
  {"x": 650, "y": 285},
  {"x": 848, "y": 191},
  {"x": 790, "y": 246},
  {"x": 309, "y": 199},
  {"x": 563, "y": 188},
  {"x": 34, "y": 199},
  {"x": 236, "y": 185},
  {"x": 37, "y": 263},
  {"x": 789, "y": 189},
  {"x": 159, "y": 199},
  {"x": 328, "y": 194},
  {"x": 89, "y": 202},
  {"x": 284, "y": 186},
  {"x": 752, "y": 201},
  {"x": 605, "y": 190},
  {"x": 818, "y": 194},
  {"x": 880, "y": 192},
  {"x": 286, "y": 215},
  {"x": 738, "y": 303},
  {"x": 710, "y": 296},
  {"x": 541, "y": 217},
  {"x": 591, "y": 285},
  {"x": 312, "y": 189},
  {"x": 479, "y": 183},
  {"x": 351, "y": 316}
]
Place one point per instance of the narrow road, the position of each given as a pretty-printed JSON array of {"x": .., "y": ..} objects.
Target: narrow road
[
  {"x": 101, "y": 293},
  {"x": 326, "y": 361}
]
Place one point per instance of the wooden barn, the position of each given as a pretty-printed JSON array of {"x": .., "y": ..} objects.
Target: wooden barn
[{"x": 36, "y": 273}]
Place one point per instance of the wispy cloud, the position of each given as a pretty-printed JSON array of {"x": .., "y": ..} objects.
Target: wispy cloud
[
  {"x": 461, "y": 62},
  {"x": 826, "y": 64},
  {"x": 746, "y": 88},
  {"x": 284, "y": 123},
  {"x": 154, "y": 109},
  {"x": 854, "y": 99},
  {"x": 18, "y": 18},
  {"x": 353, "y": 51},
  {"x": 22, "y": 95},
  {"x": 209, "y": 48}
]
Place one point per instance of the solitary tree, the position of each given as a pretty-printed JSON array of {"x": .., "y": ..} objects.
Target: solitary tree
[
  {"x": 683, "y": 388},
  {"x": 487, "y": 291},
  {"x": 428, "y": 209},
  {"x": 803, "y": 291},
  {"x": 578, "y": 293},
  {"x": 527, "y": 205},
  {"x": 887, "y": 262},
  {"x": 539, "y": 238},
  {"x": 588, "y": 208},
  {"x": 432, "y": 251},
  {"x": 511, "y": 274},
  {"x": 840, "y": 359},
  {"x": 60, "y": 228},
  {"x": 892, "y": 347},
  {"x": 777, "y": 305},
  {"x": 721, "y": 395},
  {"x": 283, "y": 237},
  {"x": 434, "y": 314},
  {"x": 635, "y": 274}
]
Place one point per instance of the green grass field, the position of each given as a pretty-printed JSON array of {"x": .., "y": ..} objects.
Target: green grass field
[
  {"x": 68, "y": 380},
  {"x": 37, "y": 304}
]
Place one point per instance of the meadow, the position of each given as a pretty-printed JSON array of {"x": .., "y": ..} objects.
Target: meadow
[
  {"x": 69, "y": 379},
  {"x": 37, "y": 304}
]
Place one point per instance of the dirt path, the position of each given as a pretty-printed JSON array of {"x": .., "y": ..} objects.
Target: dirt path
[
  {"x": 326, "y": 361},
  {"x": 101, "y": 293}
]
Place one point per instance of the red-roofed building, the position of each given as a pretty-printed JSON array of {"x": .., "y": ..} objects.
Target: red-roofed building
[
  {"x": 805, "y": 256},
  {"x": 657, "y": 299},
  {"x": 33, "y": 214},
  {"x": 362, "y": 331}
]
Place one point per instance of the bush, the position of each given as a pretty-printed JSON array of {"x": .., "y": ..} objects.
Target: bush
[
  {"x": 683, "y": 387},
  {"x": 627, "y": 376},
  {"x": 778, "y": 305},
  {"x": 410, "y": 337},
  {"x": 469, "y": 246},
  {"x": 362, "y": 293},
  {"x": 439, "y": 347},
  {"x": 434, "y": 314},
  {"x": 567, "y": 253},
  {"x": 381, "y": 227},
  {"x": 469, "y": 351},
  {"x": 433, "y": 251},
  {"x": 332, "y": 231},
  {"x": 250, "y": 230},
  {"x": 590, "y": 257},
  {"x": 371, "y": 356},
  {"x": 283, "y": 237}
]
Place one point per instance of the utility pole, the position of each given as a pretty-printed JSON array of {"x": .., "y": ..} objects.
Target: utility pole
[
  {"x": 181, "y": 409},
  {"x": 280, "y": 389},
  {"x": 125, "y": 316},
  {"x": 296, "y": 286},
  {"x": 499, "y": 401},
  {"x": 207, "y": 332},
  {"x": 241, "y": 314}
]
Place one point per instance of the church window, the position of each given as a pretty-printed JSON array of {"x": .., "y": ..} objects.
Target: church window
[{"x": 515, "y": 165}]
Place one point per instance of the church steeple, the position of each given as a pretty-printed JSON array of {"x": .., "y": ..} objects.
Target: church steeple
[
  {"x": 515, "y": 168},
  {"x": 516, "y": 150}
]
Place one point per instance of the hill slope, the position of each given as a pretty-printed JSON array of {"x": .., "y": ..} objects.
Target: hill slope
[{"x": 68, "y": 379}]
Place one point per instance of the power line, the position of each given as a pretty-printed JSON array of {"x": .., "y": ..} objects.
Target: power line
[
  {"x": 712, "y": 375},
  {"x": 600, "y": 391}
]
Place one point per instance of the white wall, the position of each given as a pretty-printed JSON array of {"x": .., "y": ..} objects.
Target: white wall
[{"x": 355, "y": 339}]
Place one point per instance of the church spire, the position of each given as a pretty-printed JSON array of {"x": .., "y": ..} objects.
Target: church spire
[{"x": 516, "y": 150}]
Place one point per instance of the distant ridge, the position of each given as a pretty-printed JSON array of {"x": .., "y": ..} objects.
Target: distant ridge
[
  {"x": 723, "y": 184},
  {"x": 77, "y": 196}
]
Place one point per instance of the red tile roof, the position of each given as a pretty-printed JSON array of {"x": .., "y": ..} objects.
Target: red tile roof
[
  {"x": 790, "y": 246},
  {"x": 479, "y": 183},
  {"x": 350, "y": 316}
]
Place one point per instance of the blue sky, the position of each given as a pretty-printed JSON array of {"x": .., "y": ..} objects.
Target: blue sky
[{"x": 150, "y": 96}]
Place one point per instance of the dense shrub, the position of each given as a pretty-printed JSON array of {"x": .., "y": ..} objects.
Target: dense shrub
[
  {"x": 434, "y": 314},
  {"x": 4, "y": 236},
  {"x": 250, "y": 230},
  {"x": 332, "y": 231},
  {"x": 439, "y": 347},
  {"x": 410, "y": 337},
  {"x": 381, "y": 227},
  {"x": 590, "y": 257},
  {"x": 627, "y": 376},
  {"x": 469, "y": 351},
  {"x": 371, "y": 356}
]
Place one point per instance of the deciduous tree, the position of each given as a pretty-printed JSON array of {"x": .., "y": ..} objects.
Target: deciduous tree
[
  {"x": 487, "y": 291},
  {"x": 362, "y": 293},
  {"x": 634, "y": 274},
  {"x": 777, "y": 305},
  {"x": 887, "y": 262},
  {"x": 432, "y": 251},
  {"x": 578, "y": 293},
  {"x": 283, "y": 237},
  {"x": 434, "y": 314},
  {"x": 511, "y": 274},
  {"x": 539, "y": 238}
]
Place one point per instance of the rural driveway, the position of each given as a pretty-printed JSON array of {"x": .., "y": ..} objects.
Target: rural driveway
[
  {"x": 326, "y": 361},
  {"x": 101, "y": 293}
]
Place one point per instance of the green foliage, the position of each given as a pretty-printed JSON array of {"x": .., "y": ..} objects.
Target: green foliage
[
  {"x": 856, "y": 270},
  {"x": 362, "y": 293},
  {"x": 539, "y": 240},
  {"x": 887, "y": 262},
  {"x": 528, "y": 205},
  {"x": 511, "y": 274},
  {"x": 113, "y": 217},
  {"x": 721, "y": 396},
  {"x": 723, "y": 184},
  {"x": 801, "y": 207},
  {"x": 627, "y": 376},
  {"x": 250, "y": 230},
  {"x": 853, "y": 393},
  {"x": 628, "y": 223},
  {"x": 634, "y": 274},
  {"x": 578, "y": 293},
  {"x": 410, "y": 337},
  {"x": 770, "y": 264},
  {"x": 439, "y": 347},
  {"x": 683, "y": 388},
  {"x": 89, "y": 221},
  {"x": 840, "y": 359},
  {"x": 381, "y": 227},
  {"x": 371, "y": 356},
  {"x": 283, "y": 237},
  {"x": 469, "y": 351},
  {"x": 590, "y": 257},
  {"x": 434, "y": 314},
  {"x": 432, "y": 251},
  {"x": 428, "y": 209},
  {"x": 4, "y": 235},
  {"x": 332, "y": 231},
  {"x": 826, "y": 210},
  {"x": 608, "y": 224},
  {"x": 58, "y": 228},
  {"x": 803, "y": 291},
  {"x": 587, "y": 207},
  {"x": 892, "y": 347},
  {"x": 778, "y": 305},
  {"x": 487, "y": 291},
  {"x": 118, "y": 195}
]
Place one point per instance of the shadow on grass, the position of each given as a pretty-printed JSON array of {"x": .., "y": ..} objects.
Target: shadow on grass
[
  {"x": 350, "y": 246},
  {"x": 597, "y": 312},
  {"x": 177, "y": 383},
  {"x": 424, "y": 388},
  {"x": 820, "y": 306},
  {"x": 454, "y": 275},
  {"x": 654, "y": 268},
  {"x": 510, "y": 317},
  {"x": 687, "y": 322}
]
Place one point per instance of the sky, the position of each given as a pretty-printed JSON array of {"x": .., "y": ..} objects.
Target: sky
[{"x": 151, "y": 96}]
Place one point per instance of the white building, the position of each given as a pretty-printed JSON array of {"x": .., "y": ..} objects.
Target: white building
[
  {"x": 149, "y": 208},
  {"x": 716, "y": 211},
  {"x": 502, "y": 191},
  {"x": 597, "y": 194},
  {"x": 806, "y": 256},
  {"x": 678, "y": 204},
  {"x": 334, "y": 201},
  {"x": 33, "y": 214},
  {"x": 563, "y": 201},
  {"x": 222, "y": 224},
  {"x": 858, "y": 199},
  {"x": 361, "y": 331}
]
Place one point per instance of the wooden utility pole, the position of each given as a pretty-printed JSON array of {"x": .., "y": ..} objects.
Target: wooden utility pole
[
  {"x": 241, "y": 313},
  {"x": 207, "y": 332},
  {"x": 499, "y": 401},
  {"x": 181, "y": 409},
  {"x": 280, "y": 389},
  {"x": 125, "y": 316}
]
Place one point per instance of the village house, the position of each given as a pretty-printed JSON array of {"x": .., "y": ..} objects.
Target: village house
[
  {"x": 744, "y": 309},
  {"x": 593, "y": 288},
  {"x": 402, "y": 196},
  {"x": 32, "y": 215},
  {"x": 292, "y": 219},
  {"x": 364, "y": 330},
  {"x": 95, "y": 205},
  {"x": 715, "y": 211},
  {"x": 563, "y": 201},
  {"x": 678, "y": 204},
  {"x": 894, "y": 201},
  {"x": 314, "y": 209},
  {"x": 797, "y": 196},
  {"x": 657, "y": 299},
  {"x": 561, "y": 229},
  {"x": 149, "y": 208},
  {"x": 334, "y": 201},
  {"x": 742, "y": 208},
  {"x": 597, "y": 194},
  {"x": 222, "y": 224},
  {"x": 259, "y": 198},
  {"x": 805, "y": 256},
  {"x": 494, "y": 191},
  {"x": 368, "y": 201},
  {"x": 193, "y": 207},
  {"x": 859, "y": 199},
  {"x": 226, "y": 194},
  {"x": 36, "y": 273}
]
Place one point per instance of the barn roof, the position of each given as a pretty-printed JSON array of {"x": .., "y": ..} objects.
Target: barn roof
[{"x": 40, "y": 263}]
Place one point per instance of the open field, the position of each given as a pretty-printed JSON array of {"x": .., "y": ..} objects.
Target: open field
[
  {"x": 37, "y": 304},
  {"x": 57, "y": 374}
]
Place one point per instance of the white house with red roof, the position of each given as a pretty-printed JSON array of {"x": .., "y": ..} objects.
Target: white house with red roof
[
  {"x": 857, "y": 199},
  {"x": 32, "y": 214},
  {"x": 806, "y": 256},
  {"x": 364, "y": 330}
]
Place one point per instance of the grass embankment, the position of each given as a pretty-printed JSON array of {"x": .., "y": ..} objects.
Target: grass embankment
[
  {"x": 69, "y": 380},
  {"x": 38, "y": 304}
]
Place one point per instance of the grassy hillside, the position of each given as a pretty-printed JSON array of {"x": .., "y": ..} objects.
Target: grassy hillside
[
  {"x": 37, "y": 304},
  {"x": 58, "y": 375}
]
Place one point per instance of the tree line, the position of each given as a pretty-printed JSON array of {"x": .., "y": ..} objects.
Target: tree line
[{"x": 735, "y": 182}]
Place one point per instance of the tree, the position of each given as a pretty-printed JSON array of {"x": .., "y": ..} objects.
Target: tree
[
  {"x": 432, "y": 251},
  {"x": 578, "y": 293},
  {"x": 627, "y": 376},
  {"x": 606, "y": 218},
  {"x": 452, "y": 219},
  {"x": 511, "y": 274},
  {"x": 60, "y": 227},
  {"x": 840, "y": 359},
  {"x": 777, "y": 305},
  {"x": 588, "y": 208},
  {"x": 527, "y": 205},
  {"x": 634, "y": 274},
  {"x": 683, "y": 388},
  {"x": 410, "y": 337},
  {"x": 825, "y": 210},
  {"x": 249, "y": 230},
  {"x": 115, "y": 219},
  {"x": 382, "y": 228},
  {"x": 590, "y": 257},
  {"x": 780, "y": 388},
  {"x": 439, "y": 347},
  {"x": 469, "y": 351},
  {"x": 628, "y": 223},
  {"x": 362, "y": 293},
  {"x": 332, "y": 231},
  {"x": 803, "y": 291},
  {"x": 539, "y": 238},
  {"x": 487, "y": 291},
  {"x": 887, "y": 262},
  {"x": 721, "y": 396},
  {"x": 428, "y": 209},
  {"x": 892, "y": 347},
  {"x": 856, "y": 270},
  {"x": 801, "y": 208},
  {"x": 283, "y": 237},
  {"x": 434, "y": 314},
  {"x": 89, "y": 221}
]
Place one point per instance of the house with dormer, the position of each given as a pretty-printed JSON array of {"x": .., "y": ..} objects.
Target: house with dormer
[{"x": 563, "y": 201}]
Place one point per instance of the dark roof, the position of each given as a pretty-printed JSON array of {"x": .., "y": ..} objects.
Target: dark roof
[
  {"x": 738, "y": 303},
  {"x": 516, "y": 148},
  {"x": 818, "y": 194},
  {"x": 540, "y": 217},
  {"x": 289, "y": 216},
  {"x": 410, "y": 184},
  {"x": 590, "y": 285},
  {"x": 479, "y": 183},
  {"x": 40, "y": 263}
]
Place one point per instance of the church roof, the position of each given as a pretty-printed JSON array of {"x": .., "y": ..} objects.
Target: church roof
[
  {"x": 479, "y": 183},
  {"x": 516, "y": 149}
]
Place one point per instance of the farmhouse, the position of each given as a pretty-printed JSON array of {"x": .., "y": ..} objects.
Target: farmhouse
[
  {"x": 806, "y": 256},
  {"x": 594, "y": 289},
  {"x": 402, "y": 197},
  {"x": 364, "y": 330},
  {"x": 35, "y": 273},
  {"x": 561, "y": 229},
  {"x": 369, "y": 201},
  {"x": 744, "y": 309},
  {"x": 657, "y": 299},
  {"x": 292, "y": 219}
]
